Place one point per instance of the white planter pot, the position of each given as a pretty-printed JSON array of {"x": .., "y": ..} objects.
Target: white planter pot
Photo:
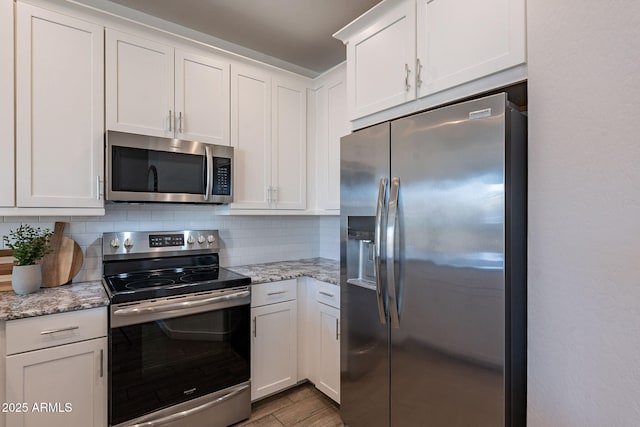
[{"x": 26, "y": 279}]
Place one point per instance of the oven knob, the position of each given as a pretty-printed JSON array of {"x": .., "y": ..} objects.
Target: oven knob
[
  {"x": 190, "y": 240},
  {"x": 210, "y": 238},
  {"x": 201, "y": 239},
  {"x": 115, "y": 243},
  {"x": 128, "y": 243}
]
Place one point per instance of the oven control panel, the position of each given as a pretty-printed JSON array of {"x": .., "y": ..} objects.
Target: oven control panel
[
  {"x": 140, "y": 244},
  {"x": 164, "y": 240}
]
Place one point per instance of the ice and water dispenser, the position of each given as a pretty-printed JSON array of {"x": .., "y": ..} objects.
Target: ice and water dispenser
[{"x": 360, "y": 251}]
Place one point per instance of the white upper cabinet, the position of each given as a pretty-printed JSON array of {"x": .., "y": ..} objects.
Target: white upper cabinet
[
  {"x": 59, "y": 110},
  {"x": 139, "y": 85},
  {"x": 7, "y": 169},
  {"x": 380, "y": 61},
  {"x": 268, "y": 132},
  {"x": 289, "y": 153},
  {"x": 154, "y": 89},
  {"x": 201, "y": 98},
  {"x": 332, "y": 124},
  {"x": 403, "y": 50},
  {"x": 251, "y": 136},
  {"x": 462, "y": 40}
]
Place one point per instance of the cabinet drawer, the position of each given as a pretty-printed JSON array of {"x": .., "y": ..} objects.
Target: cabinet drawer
[
  {"x": 55, "y": 329},
  {"x": 328, "y": 293},
  {"x": 273, "y": 292}
]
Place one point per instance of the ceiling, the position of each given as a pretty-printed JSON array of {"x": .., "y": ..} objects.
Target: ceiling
[{"x": 298, "y": 32}]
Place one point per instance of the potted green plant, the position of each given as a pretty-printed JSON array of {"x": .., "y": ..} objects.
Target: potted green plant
[{"x": 29, "y": 245}]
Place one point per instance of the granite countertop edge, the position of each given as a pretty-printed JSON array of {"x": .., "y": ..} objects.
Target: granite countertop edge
[
  {"x": 91, "y": 294},
  {"x": 59, "y": 299}
]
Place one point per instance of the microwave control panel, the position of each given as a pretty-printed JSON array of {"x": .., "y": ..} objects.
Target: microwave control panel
[{"x": 222, "y": 175}]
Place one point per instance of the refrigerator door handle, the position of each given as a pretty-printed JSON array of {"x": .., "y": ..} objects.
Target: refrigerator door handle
[
  {"x": 380, "y": 209},
  {"x": 392, "y": 222}
]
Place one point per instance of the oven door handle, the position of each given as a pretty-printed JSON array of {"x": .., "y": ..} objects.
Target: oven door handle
[
  {"x": 188, "y": 412},
  {"x": 155, "y": 308}
]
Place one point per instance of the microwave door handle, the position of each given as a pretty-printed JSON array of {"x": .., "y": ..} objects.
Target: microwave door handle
[{"x": 209, "y": 172}]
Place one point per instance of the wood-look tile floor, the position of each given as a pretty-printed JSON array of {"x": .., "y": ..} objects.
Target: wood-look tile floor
[{"x": 300, "y": 406}]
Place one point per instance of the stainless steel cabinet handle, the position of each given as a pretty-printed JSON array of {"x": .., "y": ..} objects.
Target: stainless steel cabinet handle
[
  {"x": 330, "y": 295},
  {"x": 98, "y": 187},
  {"x": 391, "y": 240},
  {"x": 255, "y": 327},
  {"x": 101, "y": 363},
  {"x": 183, "y": 414},
  {"x": 180, "y": 305},
  {"x": 170, "y": 121},
  {"x": 407, "y": 86},
  {"x": 337, "y": 330},
  {"x": 418, "y": 73},
  {"x": 379, "y": 224},
  {"x": 276, "y": 191},
  {"x": 55, "y": 331},
  {"x": 269, "y": 195},
  {"x": 180, "y": 122},
  {"x": 276, "y": 292},
  {"x": 208, "y": 159}
]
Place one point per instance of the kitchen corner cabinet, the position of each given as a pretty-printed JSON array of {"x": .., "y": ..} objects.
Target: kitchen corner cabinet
[
  {"x": 7, "y": 147},
  {"x": 332, "y": 124},
  {"x": 59, "y": 110},
  {"x": 56, "y": 365},
  {"x": 268, "y": 132},
  {"x": 273, "y": 337},
  {"x": 409, "y": 49},
  {"x": 156, "y": 90}
]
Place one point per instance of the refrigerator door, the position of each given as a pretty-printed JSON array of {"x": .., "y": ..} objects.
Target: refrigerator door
[
  {"x": 364, "y": 394},
  {"x": 448, "y": 351}
]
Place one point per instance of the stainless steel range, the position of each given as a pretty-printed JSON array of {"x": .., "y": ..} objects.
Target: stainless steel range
[{"x": 179, "y": 341}]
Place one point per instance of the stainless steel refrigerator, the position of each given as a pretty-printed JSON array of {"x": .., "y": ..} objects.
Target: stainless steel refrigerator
[{"x": 433, "y": 268}]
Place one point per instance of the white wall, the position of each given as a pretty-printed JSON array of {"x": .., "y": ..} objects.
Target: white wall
[
  {"x": 584, "y": 213},
  {"x": 245, "y": 239}
]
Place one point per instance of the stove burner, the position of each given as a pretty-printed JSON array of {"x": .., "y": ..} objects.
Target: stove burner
[
  {"x": 133, "y": 276},
  {"x": 200, "y": 277},
  {"x": 147, "y": 283}
]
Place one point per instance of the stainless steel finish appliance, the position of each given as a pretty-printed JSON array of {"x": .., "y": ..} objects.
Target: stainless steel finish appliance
[
  {"x": 179, "y": 338},
  {"x": 143, "y": 168},
  {"x": 436, "y": 336}
]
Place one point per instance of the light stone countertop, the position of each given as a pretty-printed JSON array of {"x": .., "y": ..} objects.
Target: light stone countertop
[
  {"x": 323, "y": 269},
  {"x": 59, "y": 299}
]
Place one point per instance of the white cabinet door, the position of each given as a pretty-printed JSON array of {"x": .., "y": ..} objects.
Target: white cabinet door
[
  {"x": 289, "y": 136},
  {"x": 273, "y": 348},
  {"x": 68, "y": 385},
  {"x": 251, "y": 136},
  {"x": 7, "y": 138},
  {"x": 59, "y": 109},
  {"x": 380, "y": 62},
  {"x": 201, "y": 98},
  {"x": 328, "y": 348},
  {"x": 462, "y": 40},
  {"x": 139, "y": 85}
]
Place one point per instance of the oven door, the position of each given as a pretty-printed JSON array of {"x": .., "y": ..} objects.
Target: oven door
[
  {"x": 143, "y": 168},
  {"x": 173, "y": 359}
]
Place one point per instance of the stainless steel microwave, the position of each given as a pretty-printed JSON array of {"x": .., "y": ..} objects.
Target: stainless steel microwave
[{"x": 143, "y": 168}]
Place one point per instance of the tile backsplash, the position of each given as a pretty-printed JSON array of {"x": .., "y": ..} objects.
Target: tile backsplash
[{"x": 244, "y": 239}]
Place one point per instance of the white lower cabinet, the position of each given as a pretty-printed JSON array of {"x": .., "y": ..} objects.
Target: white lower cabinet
[
  {"x": 325, "y": 324},
  {"x": 274, "y": 342},
  {"x": 52, "y": 380},
  {"x": 328, "y": 351}
]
